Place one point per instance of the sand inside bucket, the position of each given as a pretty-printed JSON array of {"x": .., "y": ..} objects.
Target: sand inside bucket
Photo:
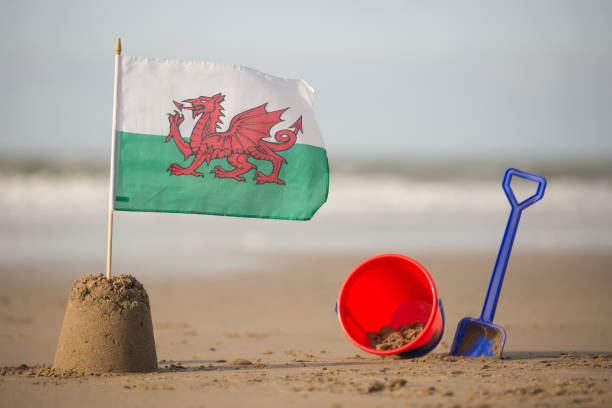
[
  {"x": 107, "y": 327},
  {"x": 388, "y": 339}
]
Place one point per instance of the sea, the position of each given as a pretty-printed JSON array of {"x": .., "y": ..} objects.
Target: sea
[{"x": 56, "y": 212}]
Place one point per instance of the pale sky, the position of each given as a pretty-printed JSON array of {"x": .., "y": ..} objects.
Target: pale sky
[{"x": 408, "y": 78}]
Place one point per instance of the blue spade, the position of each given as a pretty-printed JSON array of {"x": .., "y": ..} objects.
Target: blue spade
[{"x": 480, "y": 337}]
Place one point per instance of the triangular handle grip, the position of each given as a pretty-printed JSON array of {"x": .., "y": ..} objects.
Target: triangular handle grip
[{"x": 528, "y": 176}]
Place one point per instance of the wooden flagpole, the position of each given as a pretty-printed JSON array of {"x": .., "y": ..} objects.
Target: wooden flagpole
[{"x": 111, "y": 195}]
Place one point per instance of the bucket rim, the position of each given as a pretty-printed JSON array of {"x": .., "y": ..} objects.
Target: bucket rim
[{"x": 359, "y": 269}]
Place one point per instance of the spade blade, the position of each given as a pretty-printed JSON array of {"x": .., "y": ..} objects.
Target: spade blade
[{"x": 476, "y": 338}]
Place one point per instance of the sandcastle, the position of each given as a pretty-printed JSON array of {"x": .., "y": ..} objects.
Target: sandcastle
[{"x": 107, "y": 327}]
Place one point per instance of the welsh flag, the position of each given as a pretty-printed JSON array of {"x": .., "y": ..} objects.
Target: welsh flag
[{"x": 209, "y": 138}]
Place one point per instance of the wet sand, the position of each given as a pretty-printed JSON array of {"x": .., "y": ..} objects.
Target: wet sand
[{"x": 271, "y": 338}]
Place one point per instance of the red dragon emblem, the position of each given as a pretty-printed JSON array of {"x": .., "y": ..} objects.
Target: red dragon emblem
[{"x": 243, "y": 139}]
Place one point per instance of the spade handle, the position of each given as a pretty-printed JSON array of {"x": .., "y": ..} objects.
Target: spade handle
[{"x": 488, "y": 310}]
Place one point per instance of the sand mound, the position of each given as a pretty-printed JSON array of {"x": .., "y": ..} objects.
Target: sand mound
[{"x": 107, "y": 327}]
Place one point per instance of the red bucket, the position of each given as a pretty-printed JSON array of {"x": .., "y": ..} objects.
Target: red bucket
[{"x": 391, "y": 290}]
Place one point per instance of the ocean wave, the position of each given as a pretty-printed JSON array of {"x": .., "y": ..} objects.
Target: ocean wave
[
  {"x": 350, "y": 195},
  {"x": 64, "y": 217}
]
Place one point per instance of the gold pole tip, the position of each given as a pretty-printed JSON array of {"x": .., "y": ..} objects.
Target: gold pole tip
[{"x": 118, "y": 47}]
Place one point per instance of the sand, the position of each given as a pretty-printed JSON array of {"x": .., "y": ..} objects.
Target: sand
[
  {"x": 107, "y": 327},
  {"x": 272, "y": 339},
  {"x": 388, "y": 339}
]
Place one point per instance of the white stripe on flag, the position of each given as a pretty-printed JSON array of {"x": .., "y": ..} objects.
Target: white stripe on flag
[{"x": 149, "y": 86}]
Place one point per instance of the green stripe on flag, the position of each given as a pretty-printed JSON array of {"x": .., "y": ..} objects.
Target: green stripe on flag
[{"x": 144, "y": 184}]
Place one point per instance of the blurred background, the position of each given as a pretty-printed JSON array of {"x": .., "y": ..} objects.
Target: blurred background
[{"x": 422, "y": 105}]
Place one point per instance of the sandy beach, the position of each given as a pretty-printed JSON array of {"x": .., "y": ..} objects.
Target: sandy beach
[
  {"x": 238, "y": 160},
  {"x": 271, "y": 338}
]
